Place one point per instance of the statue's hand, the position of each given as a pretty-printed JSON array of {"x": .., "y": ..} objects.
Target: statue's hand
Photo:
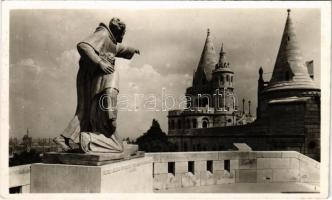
[{"x": 105, "y": 67}]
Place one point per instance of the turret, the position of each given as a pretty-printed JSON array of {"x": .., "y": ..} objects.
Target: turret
[
  {"x": 223, "y": 74},
  {"x": 260, "y": 88}
]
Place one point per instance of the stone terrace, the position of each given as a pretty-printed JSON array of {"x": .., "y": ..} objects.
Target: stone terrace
[{"x": 218, "y": 172}]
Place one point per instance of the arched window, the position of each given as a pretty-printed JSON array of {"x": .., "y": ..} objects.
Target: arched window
[
  {"x": 172, "y": 124},
  {"x": 179, "y": 124},
  {"x": 227, "y": 78},
  {"x": 194, "y": 123},
  {"x": 231, "y": 79},
  {"x": 187, "y": 123},
  {"x": 222, "y": 79},
  {"x": 205, "y": 123}
]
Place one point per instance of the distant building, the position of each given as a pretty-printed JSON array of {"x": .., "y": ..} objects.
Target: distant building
[
  {"x": 27, "y": 142},
  {"x": 288, "y": 110}
]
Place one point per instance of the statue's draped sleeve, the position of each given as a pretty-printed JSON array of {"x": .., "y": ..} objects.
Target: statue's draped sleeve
[
  {"x": 124, "y": 52},
  {"x": 86, "y": 51}
]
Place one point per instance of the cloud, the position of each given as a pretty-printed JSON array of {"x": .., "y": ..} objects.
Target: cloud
[
  {"x": 25, "y": 68},
  {"x": 146, "y": 81}
]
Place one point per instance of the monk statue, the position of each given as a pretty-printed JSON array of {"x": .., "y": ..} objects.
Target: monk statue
[{"x": 93, "y": 127}]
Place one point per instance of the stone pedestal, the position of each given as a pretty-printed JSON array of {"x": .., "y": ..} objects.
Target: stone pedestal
[{"x": 134, "y": 175}]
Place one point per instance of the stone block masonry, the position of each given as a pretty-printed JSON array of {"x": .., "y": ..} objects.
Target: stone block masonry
[{"x": 126, "y": 176}]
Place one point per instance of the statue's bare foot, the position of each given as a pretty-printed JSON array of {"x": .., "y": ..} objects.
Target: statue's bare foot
[{"x": 62, "y": 142}]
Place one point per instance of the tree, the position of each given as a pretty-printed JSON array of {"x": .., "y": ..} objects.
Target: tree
[{"x": 155, "y": 140}]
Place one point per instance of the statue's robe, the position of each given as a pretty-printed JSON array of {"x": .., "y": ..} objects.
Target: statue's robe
[{"x": 93, "y": 127}]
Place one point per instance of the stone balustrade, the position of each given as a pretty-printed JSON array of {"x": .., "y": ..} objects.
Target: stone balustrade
[{"x": 188, "y": 169}]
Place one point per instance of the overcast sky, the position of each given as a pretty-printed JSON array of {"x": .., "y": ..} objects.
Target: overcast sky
[{"x": 44, "y": 59}]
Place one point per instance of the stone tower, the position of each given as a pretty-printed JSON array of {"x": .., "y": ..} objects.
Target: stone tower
[
  {"x": 211, "y": 101},
  {"x": 290, "y": 102},
  {"x": 225, "y": 102}
]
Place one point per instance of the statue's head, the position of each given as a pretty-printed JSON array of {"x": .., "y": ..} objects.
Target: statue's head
[{"x": 118, "y": 29}]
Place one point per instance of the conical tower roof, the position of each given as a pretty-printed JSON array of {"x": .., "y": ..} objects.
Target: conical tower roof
[
  {"x": 289, "y": 70},
  {"x": 207, "y": 61},
  {"x": 222, "y": 65}
]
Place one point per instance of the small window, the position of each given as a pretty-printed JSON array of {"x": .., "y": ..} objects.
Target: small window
[
  {"x": 205, "y": 123},
  {"x": 14, "y": 190},
  {"x": 188, "y": 123},
  {"x": 179, "y": 124},
  {"x": 191, "y": 167},
  {"x": 196, "y": 103},
  {"x": 209, "y": 166},
  {"x": 171, "y": 168},
  {"x": 227, "y": 78},
  {"x": 227, "y": 165},
  {"x": 194, "y": 123},
  {"x": 231, "y": 78}
]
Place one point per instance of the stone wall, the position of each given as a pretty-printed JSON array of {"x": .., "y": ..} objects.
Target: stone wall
[
  {"x": 293, "y": 118},
  {"x": 312, "y": 128},
  {"x": 259, "y": 136},
  {"x": 214, "y": 168},
  {"x": 188, "y": 169}
]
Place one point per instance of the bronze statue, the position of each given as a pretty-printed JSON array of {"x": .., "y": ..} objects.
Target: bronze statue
[{"x": 94, "y": 124}]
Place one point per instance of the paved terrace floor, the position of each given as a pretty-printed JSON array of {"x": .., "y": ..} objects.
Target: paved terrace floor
[{"x": 247, "y": 188}]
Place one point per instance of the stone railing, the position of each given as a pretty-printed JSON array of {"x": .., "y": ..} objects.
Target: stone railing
[
  {"x": 187, "y": 169},
  {"x": 19, "y": 179}
]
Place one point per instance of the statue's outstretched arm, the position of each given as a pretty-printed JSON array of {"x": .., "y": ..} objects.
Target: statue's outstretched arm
[{"x": 126, "y": 52}]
